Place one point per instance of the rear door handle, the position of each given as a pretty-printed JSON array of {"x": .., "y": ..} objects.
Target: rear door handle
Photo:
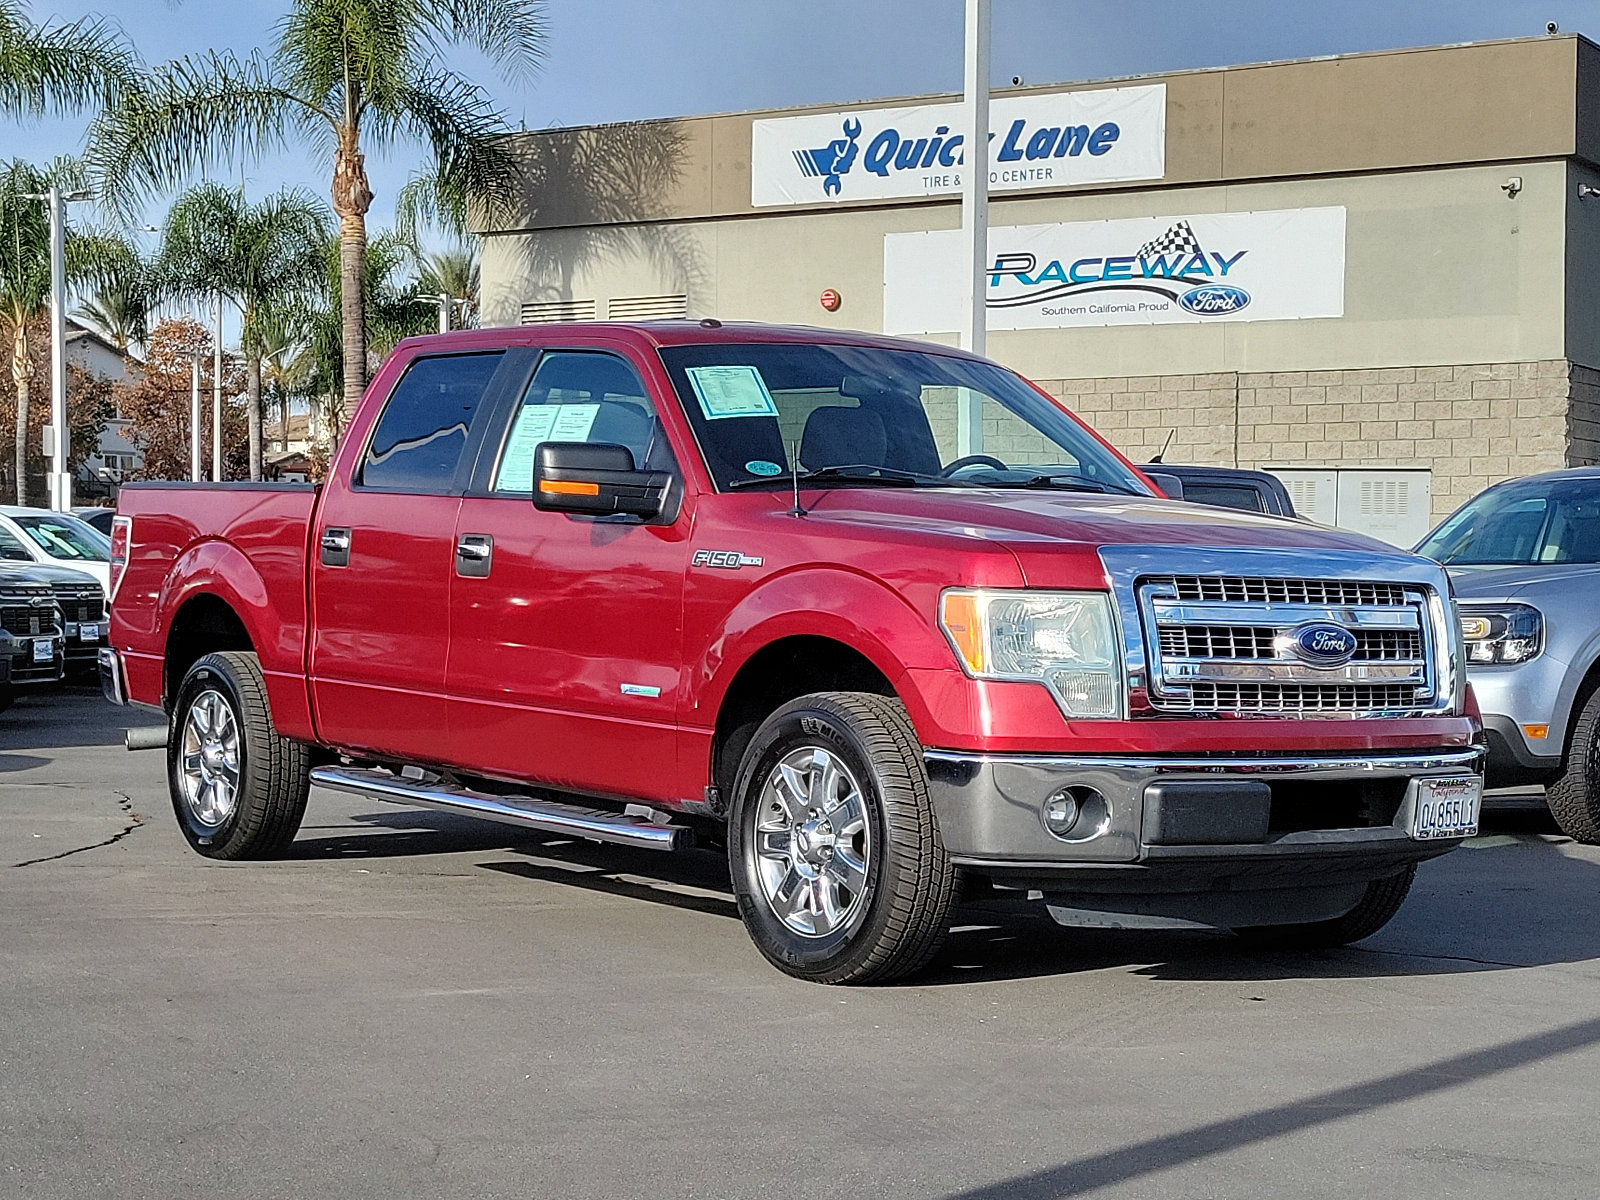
[
  {"x": 335, "y": 547},
  {"x": 474, "y": 555}
]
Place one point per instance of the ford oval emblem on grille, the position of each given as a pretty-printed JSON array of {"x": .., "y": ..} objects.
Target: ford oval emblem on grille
[{"x": 1322, "y": 644}]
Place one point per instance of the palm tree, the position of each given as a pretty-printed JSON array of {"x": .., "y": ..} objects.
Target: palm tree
[
  {"x": 258, "y": 256},
  {"x": 60, "y": 67},
  {"x": 344, "y": 76},
  {"x": 124, "y": 286},
  {"x": 452, "y": 272},
  {"x": 25, "y": 275}
]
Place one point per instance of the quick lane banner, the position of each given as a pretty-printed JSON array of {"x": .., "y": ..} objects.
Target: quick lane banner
[
  {"x": 1246, "y": 266},
  {"x": 1058, "y": 140}
]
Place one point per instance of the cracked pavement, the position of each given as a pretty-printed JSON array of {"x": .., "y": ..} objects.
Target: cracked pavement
[{"x": 419, "y": 1005}]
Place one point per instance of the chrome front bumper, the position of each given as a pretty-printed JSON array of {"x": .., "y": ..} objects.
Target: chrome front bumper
[{"x": 1213, "y": 813}]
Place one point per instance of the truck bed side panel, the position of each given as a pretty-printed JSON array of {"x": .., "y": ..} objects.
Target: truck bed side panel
[{"x": 244, "y": 545}]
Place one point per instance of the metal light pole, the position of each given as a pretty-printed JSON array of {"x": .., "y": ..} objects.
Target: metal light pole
[
  {"x": 216, "y": 398},
  {"x": 974, "y": 215},
  {"x": 195, "y": 473},
  {"x": 445, "y": 303},
  {"x": 60, "y": 444}
]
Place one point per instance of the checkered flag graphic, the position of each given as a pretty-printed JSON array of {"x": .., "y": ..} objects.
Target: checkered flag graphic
[{"x": 1180, "y": 239}]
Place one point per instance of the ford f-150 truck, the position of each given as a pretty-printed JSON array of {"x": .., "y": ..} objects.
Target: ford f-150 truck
[{"x": 878, "y": 617}]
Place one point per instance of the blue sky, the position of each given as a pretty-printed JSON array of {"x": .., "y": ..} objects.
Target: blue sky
[{"x": 613, "y": 60}]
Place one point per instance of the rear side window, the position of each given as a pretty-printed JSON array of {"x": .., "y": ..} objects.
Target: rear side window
[{"x": 423, "y": 430}]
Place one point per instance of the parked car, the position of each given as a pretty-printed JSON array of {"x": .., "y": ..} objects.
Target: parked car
[
  {"x": 57, "y": 539},
  {"x": 1525, "y": 558},
  {"x": 84, "y": 618},
  {"x": 33, "y": 651},
  {"x": 98, "y": 519},
  {"x": 1226, "y": 487},
  {"x": 571, "y": 578}
]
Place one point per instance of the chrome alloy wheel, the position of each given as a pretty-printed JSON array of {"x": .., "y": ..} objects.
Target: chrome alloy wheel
[
  {"x": 208, "y": 760},
  {"x": 813, "y": 843}
]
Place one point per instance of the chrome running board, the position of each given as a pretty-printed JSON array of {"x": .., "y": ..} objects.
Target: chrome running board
[{"x": 548, "y": 816}]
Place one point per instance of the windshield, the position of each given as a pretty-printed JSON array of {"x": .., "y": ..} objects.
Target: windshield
[
  {"x": 61, "y": 536},
  {"x": 1547, "y": 522},
  {"x": 867, "y": 415}
]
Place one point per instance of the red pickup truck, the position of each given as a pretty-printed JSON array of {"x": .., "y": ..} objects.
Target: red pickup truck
[{"x": 878, "y": 617}]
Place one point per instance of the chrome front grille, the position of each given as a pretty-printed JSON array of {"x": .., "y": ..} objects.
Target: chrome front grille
[
  {"x": 1247, "y": 590},
  {"x": 1229, "y": 644}
]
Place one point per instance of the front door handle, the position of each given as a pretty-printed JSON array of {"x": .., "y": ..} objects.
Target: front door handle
[
  {"x": 474, "y": 555},
  {"x": 335, "y": 545}
]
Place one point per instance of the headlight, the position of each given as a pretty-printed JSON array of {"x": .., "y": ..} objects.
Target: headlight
[
  {"x": 1502, "y": 633},
  {"x": 1064, "y": 640}
]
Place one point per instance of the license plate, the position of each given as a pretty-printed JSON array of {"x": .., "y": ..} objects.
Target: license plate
[
  {"x": 89, "y": 633},
  {"x": 44, "y": 650},
  {"x": 1447, "y": 807}
]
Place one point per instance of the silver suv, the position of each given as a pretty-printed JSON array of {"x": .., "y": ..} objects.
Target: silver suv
[{"x": 1525, "y": 560}]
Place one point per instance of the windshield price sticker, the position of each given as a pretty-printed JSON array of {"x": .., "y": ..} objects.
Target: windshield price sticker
[
  {"x": 1447, "y": 807},
  {"x": 540, "y": 423},
  {"x": 737, "y": 391}
]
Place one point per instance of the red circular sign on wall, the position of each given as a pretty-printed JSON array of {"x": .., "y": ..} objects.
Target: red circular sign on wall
[{"x": 830, "y": 299}]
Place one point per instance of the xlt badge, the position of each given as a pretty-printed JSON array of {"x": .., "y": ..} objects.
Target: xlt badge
[{"x": 731, "y": 560}]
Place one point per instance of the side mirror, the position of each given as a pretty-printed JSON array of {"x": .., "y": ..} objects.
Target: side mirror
[
  {"x": 596, "y": 479},
  {"x": 1171, "y": 486}
]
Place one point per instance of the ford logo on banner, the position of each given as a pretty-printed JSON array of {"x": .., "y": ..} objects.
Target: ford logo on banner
[
  {"x": 1322, "y": 644},
  {"x": 1214, "y": 299}
]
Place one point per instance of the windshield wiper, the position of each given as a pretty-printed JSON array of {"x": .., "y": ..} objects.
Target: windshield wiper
[
  {"x": 844, "y": 473},
  {"x": 1065, "y": 481}
]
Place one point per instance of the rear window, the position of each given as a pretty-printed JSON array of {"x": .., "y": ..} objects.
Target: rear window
[
  {"x": 417, "y": 444},
  {"x": 1224, "y": 495}
]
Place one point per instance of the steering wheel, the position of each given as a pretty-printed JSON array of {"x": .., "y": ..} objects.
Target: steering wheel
[{"x": 973, "y": 460}]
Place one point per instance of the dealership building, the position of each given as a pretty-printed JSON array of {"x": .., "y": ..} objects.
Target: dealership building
[{"x": 1376, "y": 275}]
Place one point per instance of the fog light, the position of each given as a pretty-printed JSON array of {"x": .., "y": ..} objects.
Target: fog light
[{"x": 1061, "y": 813}]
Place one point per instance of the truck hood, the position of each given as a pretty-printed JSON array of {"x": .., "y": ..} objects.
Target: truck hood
[
  {"x": 1047, "y": 530},
  {"x": 1502, "y": 582}
]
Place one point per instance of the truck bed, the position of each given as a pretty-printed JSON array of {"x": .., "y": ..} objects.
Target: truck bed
[{"x": 243, "y": 542}]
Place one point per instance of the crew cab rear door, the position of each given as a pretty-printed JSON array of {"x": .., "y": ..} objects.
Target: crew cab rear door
[
  {"x": 565, "y": 649},
  {"x": 382, "y": 561}
]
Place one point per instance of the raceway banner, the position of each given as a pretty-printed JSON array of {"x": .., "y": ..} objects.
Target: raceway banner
[
  {"x": 1246, "y": 266},
  {"x": 1058, "y": 140}
]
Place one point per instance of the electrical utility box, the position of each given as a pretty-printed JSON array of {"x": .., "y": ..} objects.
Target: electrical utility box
[{"x": 1393, "y": 504}]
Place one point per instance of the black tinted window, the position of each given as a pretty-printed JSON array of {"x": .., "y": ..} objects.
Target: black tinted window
[
  {"x": 1223, "y": 495},
  {"x": 424, "y": 425}
]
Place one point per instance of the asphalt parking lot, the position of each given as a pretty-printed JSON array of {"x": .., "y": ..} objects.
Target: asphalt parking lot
[{"x": 415, "y": 1005}]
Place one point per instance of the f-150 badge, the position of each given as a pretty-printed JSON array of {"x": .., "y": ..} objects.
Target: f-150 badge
[{"x": 730, "y": 560}]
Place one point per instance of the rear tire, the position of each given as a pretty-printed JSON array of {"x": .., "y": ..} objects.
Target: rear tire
[
  {"x": 1574, "y": 796},
  {"x": 833, "y": 845},
  {"x": 1372, "y": 912},
  {"x": 238, "y": 788}
]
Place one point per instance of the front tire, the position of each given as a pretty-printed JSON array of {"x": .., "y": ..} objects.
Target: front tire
[
  {"x": 1375, "y": 909},
  {"x": 1574, "y": 796},
  {"x": 238, "y": 788},
  {"x": 833, "y": 845}
]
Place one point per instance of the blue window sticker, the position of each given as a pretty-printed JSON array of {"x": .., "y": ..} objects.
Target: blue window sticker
[
  {"x": 732, "y": 391},
  {"x": 760, "y": 466}
]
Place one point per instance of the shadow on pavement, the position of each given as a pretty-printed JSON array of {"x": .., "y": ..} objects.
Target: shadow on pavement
[
  {"x": 1157, "y": 1154},
  {"x": 68, "y": 715}
]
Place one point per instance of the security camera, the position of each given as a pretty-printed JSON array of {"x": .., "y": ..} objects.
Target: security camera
[
  {"x": 1551, "y": 28},
  {"x": 1016, "y": 81}
]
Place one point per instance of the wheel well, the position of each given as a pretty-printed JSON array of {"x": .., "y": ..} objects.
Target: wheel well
[
  {"x": 776, "y": 674},
  {"x": 202, "y": 626}
]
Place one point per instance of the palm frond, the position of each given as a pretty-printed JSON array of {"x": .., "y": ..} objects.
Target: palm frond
[
  {"x": 460, "y": 124},
  {"x": 190, "y": 115},
  {"x": 512, "y": 34},
  {"x": 61, "y": 67},
  {"x": 423, "y": 203}
]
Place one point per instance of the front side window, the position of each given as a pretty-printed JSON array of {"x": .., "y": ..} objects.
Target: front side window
[
  {"x": 578, "y": 396},
  {"x": 872, "y": 415},
  {"x": 11, "y": 548},
  {"x": 418, "y": 442},
  {"x": 1544, "y": 522},
  {"x": 65, "y": 537}
]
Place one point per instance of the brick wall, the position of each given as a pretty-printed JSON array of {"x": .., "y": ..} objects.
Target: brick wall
[{"x": 1473, "y": 424}]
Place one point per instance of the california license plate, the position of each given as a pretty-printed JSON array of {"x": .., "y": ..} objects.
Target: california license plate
[
  {"x": 44, "y": 650},
  {"x": 89, "y": 633},
  {"x": 1447, "y": 807}
]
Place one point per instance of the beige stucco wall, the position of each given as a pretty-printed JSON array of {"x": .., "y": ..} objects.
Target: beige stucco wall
[{"x": 1441, "y": 268}]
